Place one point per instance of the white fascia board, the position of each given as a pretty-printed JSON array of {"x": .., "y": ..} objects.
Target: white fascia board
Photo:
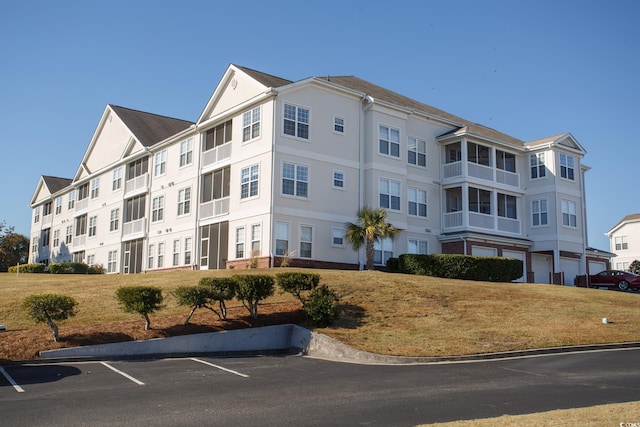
[
  {"x": 269, "y": 93},
  {"x": 39, "y": 185},
  {"x": 173, "y": 138},
  {"x": 228, "y": 74}
]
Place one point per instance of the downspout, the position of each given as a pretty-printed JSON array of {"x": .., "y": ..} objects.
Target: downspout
[
  {"x": 585, "y": 237},
  {"x": 198, "y": 236},
  {"x": 272, "y": 224},
  {"x": 361, "y": 158}
]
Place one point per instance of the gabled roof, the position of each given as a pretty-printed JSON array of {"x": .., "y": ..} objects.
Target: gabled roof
[
  {"x": 484, "y": 132},
  {"x": 565, "y": 140},
  {"x": 56, "y": 184},
  {"x": 627, "y": 219},
  {"x": 150, "y": 128},
  {"x": 265, "y": 79},
  {"x": 51, "y": 185}
]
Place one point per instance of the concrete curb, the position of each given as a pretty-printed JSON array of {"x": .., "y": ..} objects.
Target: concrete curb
[{"x": 287, "y": 338}]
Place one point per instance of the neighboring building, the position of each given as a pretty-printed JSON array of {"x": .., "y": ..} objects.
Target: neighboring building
[
  {"x": 274, "y": 168},
  {"x": 624, "y": 240}
]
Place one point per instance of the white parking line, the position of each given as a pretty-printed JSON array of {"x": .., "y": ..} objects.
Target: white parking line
[
  {"x": 220, "y": 367},
  {"x": 122, "y": 373},
  {"x": 13, "y": 383}
]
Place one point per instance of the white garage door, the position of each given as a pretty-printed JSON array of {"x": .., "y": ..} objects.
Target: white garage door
[
  {"x": 522, "y": 257},
  {"x": 596, "y": 267},
  {"x": 571, "y": 268},
  {"x": 541, "y": 266}
]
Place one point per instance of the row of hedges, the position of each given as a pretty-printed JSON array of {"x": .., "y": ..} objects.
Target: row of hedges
[
  {"x": 464, "y": 267},
  {"x": 59, "y": 268}
]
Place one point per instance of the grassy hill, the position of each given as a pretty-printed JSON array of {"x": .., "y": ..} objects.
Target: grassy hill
[{"x": 383, "y": 313}]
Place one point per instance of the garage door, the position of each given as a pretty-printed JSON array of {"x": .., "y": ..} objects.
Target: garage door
[
  {"x": 596, "y": 267},
  {"x": 522, "y": 257},
  {"x": 541, "y": 266},
  {"x": 571, "y": 268},
  {"x": 482, "y": 251}
]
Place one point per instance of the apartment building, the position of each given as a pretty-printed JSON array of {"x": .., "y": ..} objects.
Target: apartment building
[
  {"x": 274, "y": 169},
  {"x": 624, "y": 241}
]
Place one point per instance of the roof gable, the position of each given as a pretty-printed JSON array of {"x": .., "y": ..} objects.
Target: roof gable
[
  {"x": 624, "y": 221},
  {"x": 47, "y": 187},
  {"x": 565, "y": 140}
]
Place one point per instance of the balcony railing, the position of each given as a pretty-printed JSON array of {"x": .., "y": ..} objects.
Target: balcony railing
[
  {"x": 476, "y": 220},
  {"x": 506, "y": 177},
  {"x": 82, "y": 205},
  {"x": 216, "y": 154},
  {"x": 453, "y": 170},
  {"x": 214, "y": 208},
  {"x": 136, "y": 184},
  {"x": 137, "y": 226},
  {"x": 480, "y": 171},
  {"x": 79, "y": 241},
  {"x": 46, "y": 220}
]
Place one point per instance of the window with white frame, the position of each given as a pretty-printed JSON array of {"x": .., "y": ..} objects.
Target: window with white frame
[
  {"x": 389, "y": 192},
  {"x": 176, "y": 252},
  {"x": 282, "y": 238},
  {"x": 184, "y": 201},
  {"x": 479, "y": 154},
  {"x": 306, "y": 241},
  {"x": 44, "y": 237},
  {"x": 186, "y": 152},
  {"x": 338, "y": 125},
  {"x": 56, "y": 238},
  {"x": 157, "y": 209},
  {"x": 251, "y": 124},
  {"x": 36, "y": 214},
  {"x": 187, "y": 251},
  {"x": 71, "y": 200},
  {"x": 93, "y": 225},
  {"x": 151, "y": 256},
  {"x": 256, "y": 236},
  {"x": 506, "y": 161},
  {"x": 382, "y": 251},
  {"x": 68, "y": 237},
  {"x": 415, "y": 246},
  {"x": 296, "y": 121},
  {"x": 58, "y": 205},
  {"x": 621, "y": 243},
  {"x": 417, "y": 202},
  {"x": 539, "y": 213},
  {"x": 569, "y": 214},
  {"x": 160, "y": 254},
  {"x": 507, "y": 206},
  {"x": 479, "y": 200},
  {"x": 95, "y": 188},
  {"x": 83, "y": 191},
  {"x": 337, "y": 237},
  {"x": 46, "y": 209},
  {"x": 389, "y": 141},
  {"x": 116, "y": 182},
  {"x": 566, "y": 166},
  {"x": 416, "y": 152},
  {"x": 624, "y": 266},
  {"x": 34, "y": 245},
  {"x": 249, "y": 181},
  {"x": 112, "y": 261},
  {"x": 240, "y": 242},
  {"x": 114, "y": 219},
  {"x": 91, "y": 259},
  {"x": 295, "y": 180},
  {"x": 338, "y": 180},
  {"x": 538, "y": 168},
  {"x": 160, "y": 163}
]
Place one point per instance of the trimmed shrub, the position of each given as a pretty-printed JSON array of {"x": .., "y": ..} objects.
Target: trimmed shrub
[
  {"x": 68, "y": 268},
  {"x": 28, "y": 268},
  {"x": 296, "y": 283},
  {"x": 143, "y": 300},
  {"x": 49, "y": 307},
  {"x": 251, "y": 289},
  {"x": 465, "y": 267},
  {"x": 321, "y": 306},
  {"x": 96, "y": 269},
  {"x": 194, "y": 297}
]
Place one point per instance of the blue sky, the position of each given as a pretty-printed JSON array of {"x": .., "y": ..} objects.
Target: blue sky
[{"x": 529, "y": 69}]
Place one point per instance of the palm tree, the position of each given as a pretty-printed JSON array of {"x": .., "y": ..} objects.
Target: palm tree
[{"x": 371, "y": 227}]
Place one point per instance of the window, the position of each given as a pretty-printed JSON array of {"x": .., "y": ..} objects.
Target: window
[
  {"x": 160, "y": 254},
  {"x": 389, "y": 141},
  {"x": 569, "y": 217},
  {"x": 382, "y": 251},
  {"x": 186, "y": 152},
  {"x": 91, "y": 259},
  {"x": 506, "y": 161},
  {"x": 507, "y": 206},
  {"x": 624, "y": 266},
  {"x": 479, "y": 200},
  {"x": 81, "y": 225},
  {"x": 255, "y": 239},
  {"x": 539, "y": 212},
  {"x": 56, "y": 238},
  {"x": 338, "y": 180},
  {"x": 296, "y": 121},
  {"x": 83, "y": 192},
  {"x": 116, "y": 183},
  {"x": 95, "y": 188},
  {"x": 36, "y": 214},
  {"x": 306, "y": 241},
  {"x": 187, "y": 251},
  {"x": 249, "y": 181},
  {"x": 538, "y": 169},
  {"x": 240, "y": 243},
  {"x": 137, "y": 168},
  {"x": 157, "y": 209},
  {"x": 295, "y": 180},
  {"x": 566, "y": 166},
  {"x": 417, "y": 202},
  {"x": 176, "y": 252},
  {"x": 93, "y": 223},
  {"x": 160, "y": 163},
  {"x": 479, "y": 154},
  {"x": 621, "y": 243},
  {"x": 337, "y": 237},
  {"x": 151, "y": 253},
  {"x": 184, "y": 201},
  {"x": 389, "y": 194},
  {"x": 134, "y": 208},
  {"x": 215, "y": 185},
  {"x": 72, "y": 200},
  {"x": 338, "y": 124},
  {"x": 251, "y": 124},
  {"x": 417, "y": 247},
  {"x": 282, "y": 239},
  {"x": 46, "y": 209},
  {"x": 34, "y": 245},
  {"x": 58, "y": 205},
  {"x": 217, "y": 136},
  {"x": 68, "y": 237},
  {"x": 44, "y": 237},
  {"x": 112, "y": 258},
  {"x": 114, "y": 219},
  {"x": 453, "y": 153},
  {"x": 417, "y": 152}
]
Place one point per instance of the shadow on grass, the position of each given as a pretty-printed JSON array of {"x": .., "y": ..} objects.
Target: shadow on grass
[
  {"x": 95, "y": 338},
  {"x": 350, "y": 316}
]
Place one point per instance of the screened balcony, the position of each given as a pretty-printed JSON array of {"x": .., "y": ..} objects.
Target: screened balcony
[
  {"x": 480, "y": 162},
  {"x": 481, "y": 210}
]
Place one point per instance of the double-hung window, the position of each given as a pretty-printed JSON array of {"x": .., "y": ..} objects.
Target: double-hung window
[
  {"x": 338, "y": 125},
  {"x": 296, "y": 121},
  {"x": 186, "y": 152},
  {"x": 114, "y": 219},
  {"x": 151, "y": 257},
  {"x": 160, "y": 163},
  {"x": 58, "y": 205},
  {"x": 337, "y": 237},
  {"x": 117, "y": 179},
  {"x": 338, "y": 180},
  {"x": 416, "y": 152},
  {"x": 538, "y": 169},
  {"x": 256, "y": 236},
  {"x": 95, "y": 188},
  {"x": 282, "y": 239},
  {"x": 539, "y": 213},
  {"x": 621, "y": 243},
  {"x": 566, "y": 166},
  {"x": 184, "y": 201},
  {"x": 306, "y": 241},
  {"x": 417, "y": 202},
  {"x": 389, "y": 192},
  {"x": 295, "y": 180},
  {"x": 93, "y": 223},
  {"x": 157, "y": 209},
  {"x": 68, "y": 237},
  {"x": 112, "y": 259},
  {"x": 382, "y": 251},
  {"x": 416, "y": 246},
  {"x": 569, "y": 214},
  {"x": 187, "y": 251},
  {"x": 176, "y": 252},
  {"x": 36, "y": 214},
  {"x": 71, "y": 200},
  {"x": 389, "y": 140},
  {"x": 249, "y": 181},
  {"x": 251, "y": 124},
  {"x": 56, "y": 238},
  {"x": 240, "y": 242}
]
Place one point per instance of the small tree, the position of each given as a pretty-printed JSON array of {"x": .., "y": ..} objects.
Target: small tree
[
  {"x": 50, "y": 307},
  {"x": 222, "y": 289},
  {"x": 634, "y": 267},
  {"x": 297, "y": 283},
  {"x": 371, "y": 227},
  {"x": 143, "y": 300},
  {"x": 251, "y": 289},
  {"x": 194, "y": 297}
]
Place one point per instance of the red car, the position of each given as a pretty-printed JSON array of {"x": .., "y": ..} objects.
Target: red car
[{"x": 622, "y": 280}]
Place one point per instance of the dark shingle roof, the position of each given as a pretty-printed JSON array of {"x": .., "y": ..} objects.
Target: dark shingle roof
[
  {"x": 266, "y": 79},
  {"x": 56, "y": 184},
  {"x": 150, "y": 128}
]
